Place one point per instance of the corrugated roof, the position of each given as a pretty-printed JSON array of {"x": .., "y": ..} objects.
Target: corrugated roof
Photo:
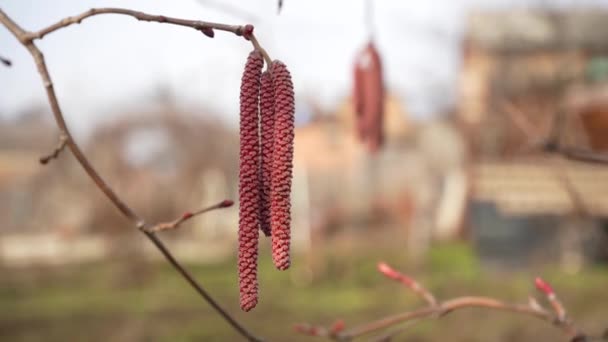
[{"x": 534, "y": 186}]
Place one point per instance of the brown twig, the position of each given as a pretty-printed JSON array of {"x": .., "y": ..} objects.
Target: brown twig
[
  {"x": 195, "y": 24},
  {"x": 186, "y": 216},
  {"x": 440, "y": 309},
  {"x": 258, "y": 47},
  {"x": 7, "y": 62},
  {"x": 27, "y": 40},
  {"x": 63, "y": 141}
]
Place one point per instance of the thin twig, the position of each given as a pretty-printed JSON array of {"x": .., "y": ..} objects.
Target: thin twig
[
  {"x": 63, "y": 141},
  {"x": 440, "y": 309},
  {"x": 258, "y": 47},
  {"x": 26, "y": 38},
  {"x": 409, "y": 282},
  {"x": 195, "y": 24},
  {"x": 186, "y": 216},
  {"x": 388, "y": 336}
]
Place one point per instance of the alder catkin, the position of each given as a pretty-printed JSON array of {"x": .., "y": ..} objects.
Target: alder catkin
[
  {"x": 368, "y": 97},
  {"x": 358, "y": 75},
  {"x": 249, "y": 165},
  {"x": 267, "y": 148},
  {"x": 282, "y": 164},
  {"x": 375, "y": 110}
]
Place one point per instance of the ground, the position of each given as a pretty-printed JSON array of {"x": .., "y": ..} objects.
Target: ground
[{"x": 147, "y": 301}]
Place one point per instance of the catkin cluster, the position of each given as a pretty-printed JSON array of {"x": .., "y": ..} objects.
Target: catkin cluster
[
  {"x": 265, "y": 170},
  {"x": 368, "y": 97}
]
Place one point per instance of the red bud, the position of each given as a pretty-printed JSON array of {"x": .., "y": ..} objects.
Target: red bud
[
  {"x": 226, "y": 203},
  {"x": 389, "y": 272},
  {"x": 337, "y": 326},
  {"x": 543, "y": 286},
  {"x": 208, "y": 31}
]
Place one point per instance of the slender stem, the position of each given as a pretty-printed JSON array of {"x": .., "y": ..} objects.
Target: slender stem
[
  {"x": 195, "y": 24},
  {"x": 257, "y": 46},
  {"x": 448, "y": 307},
  {"x": 187, "y": 216},
  {"x": 27, "y": 40}
]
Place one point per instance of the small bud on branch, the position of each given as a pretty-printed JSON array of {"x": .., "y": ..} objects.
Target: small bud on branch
[{"x": 543, "y": 286}]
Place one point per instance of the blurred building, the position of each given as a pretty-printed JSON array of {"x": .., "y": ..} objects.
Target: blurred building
[
  {"x": 533, "y": 79},
  {"x": 415, "y": 184}
]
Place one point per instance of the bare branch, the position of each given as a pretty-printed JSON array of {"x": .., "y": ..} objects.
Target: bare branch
[
  {"x": 26, "y": 38},
  {"x": 195, "y": 24},
  {"x": 63, "y": 141},
  {"x": 440, "y": 309},
  {"x": 186, "y": 216}
]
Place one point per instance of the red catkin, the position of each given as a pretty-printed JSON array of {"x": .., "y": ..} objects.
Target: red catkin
[
  {"x": 368, "y": 96},
  {"x": 358, "y": 75},
  {"x": 248, "y": 182},
  {"x": 282, "y": 164},
  {"x": 267, "y": 148}
]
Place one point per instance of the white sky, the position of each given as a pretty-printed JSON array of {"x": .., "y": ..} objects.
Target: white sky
[{"x": 113, "y": 62}]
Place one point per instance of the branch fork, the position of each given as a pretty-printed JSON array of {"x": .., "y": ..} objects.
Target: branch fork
[{"x": 436, "y": 309}]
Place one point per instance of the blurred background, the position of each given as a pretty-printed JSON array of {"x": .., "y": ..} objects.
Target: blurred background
[{"x": 448, "y": 178}]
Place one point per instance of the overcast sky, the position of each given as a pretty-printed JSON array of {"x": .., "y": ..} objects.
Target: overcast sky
[{"x": 114, "y": 62}]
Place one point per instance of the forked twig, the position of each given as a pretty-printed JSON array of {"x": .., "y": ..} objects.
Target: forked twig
[
  {"x": 27, "y": 40},
  {"x": 435, "y": 309}
]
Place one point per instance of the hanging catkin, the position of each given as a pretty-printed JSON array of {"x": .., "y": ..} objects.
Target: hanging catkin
[
  {"x": 282, "y": 164},
  {"x": 368, "y": 97},
  {"x": 249, "y": 182},
  {"x": 358, "y": 95},
  {"x": 267, "y": 148}
]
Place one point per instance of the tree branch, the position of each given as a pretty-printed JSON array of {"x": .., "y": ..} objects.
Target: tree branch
[
  {"x": 195, "y": 24},
  {"x": 186, "y": 216},
  {"x": 27, "y": 39},
  {"x": 437, "y": 310}
]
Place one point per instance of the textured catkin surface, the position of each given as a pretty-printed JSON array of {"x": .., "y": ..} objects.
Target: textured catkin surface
[
  {"x": 249, "y": 182},
  {"x": 282, "y": 164},
  {"x": 267, "y": 148}
]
